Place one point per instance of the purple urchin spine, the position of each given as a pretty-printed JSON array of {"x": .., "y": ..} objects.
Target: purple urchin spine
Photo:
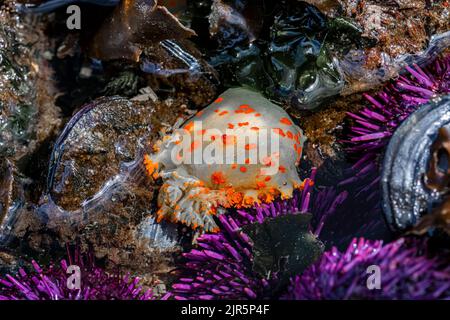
[
  {"x": 375, "y": 123},
  {"x": 50, "y": 283},
  {"x": 405, "y": 273},
  {"x": 220, "y": 267}
]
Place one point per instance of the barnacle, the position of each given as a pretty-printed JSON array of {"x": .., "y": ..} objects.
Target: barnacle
[{"x": 240, "y": 150}]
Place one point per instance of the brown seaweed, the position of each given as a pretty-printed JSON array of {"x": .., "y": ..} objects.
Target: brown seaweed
[{"x": 133, "y": 25}]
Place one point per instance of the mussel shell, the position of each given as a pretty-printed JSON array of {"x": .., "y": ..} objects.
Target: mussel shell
[
  {"x": 92, "y": 146},
  {"x": 405, "y": 197}
]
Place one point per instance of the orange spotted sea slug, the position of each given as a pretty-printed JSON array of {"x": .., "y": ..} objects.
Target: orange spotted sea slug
[{"x": 240, "y": 150}]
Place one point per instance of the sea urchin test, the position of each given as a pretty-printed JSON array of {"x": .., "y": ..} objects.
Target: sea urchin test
[{"x": 240, "y": 150}]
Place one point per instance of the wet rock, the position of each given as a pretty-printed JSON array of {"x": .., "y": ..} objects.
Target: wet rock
[
  {"x": 234, "y": 22},
  {"x": 6, "y": 187},
  {"x": 28, "y": 115},
  {"x": 133, "y": 25},
  {"x": 395, "y": 32},
  {"x": 45, "y": 6},
  {"x": 177, "y": 69},
  {"x": 11, "y": 196},
  {"x": 304, "y": 53},
  {"x": 9, "y": 263},
  {"x": 326, "y": 6},
  {"x": 147, "y": 35}
]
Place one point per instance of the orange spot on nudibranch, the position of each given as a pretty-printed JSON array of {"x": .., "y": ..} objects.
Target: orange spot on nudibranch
[
  {"x": 254, "y": 128},
  {"x": 279, "y": 131},
  {"x": 290, "y": 135},
  {"x": 241, "y": 124},
  {"x": 230, "y": 126},
  {"x": 257, "y": 114},
  {"x": 286, "y": 121},
  {"x": 250, "y": 146},
  {"x": 243, "y": 169},
  {"x": 223, "y": 113},
  {"x": 219, "y": 100},
  {"x": 234, "y": 166},
  {"x": 282, "y": 169},
  {"x": 245, "y": 108}
]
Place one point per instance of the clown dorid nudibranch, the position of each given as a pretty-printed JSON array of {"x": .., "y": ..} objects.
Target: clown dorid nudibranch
[{"x": 239, "y": 151}]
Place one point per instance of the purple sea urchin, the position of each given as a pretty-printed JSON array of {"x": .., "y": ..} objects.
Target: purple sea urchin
[
  {"x": 50, "y": 283},
  {"x": 232, "y": 264},
  {"x": 376, "y": 123},
  {"x": 406, "y": 273},
  {"x": 221, "y": 267}
]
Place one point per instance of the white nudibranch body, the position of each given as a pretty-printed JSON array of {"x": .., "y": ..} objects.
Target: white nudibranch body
[{"x": 239, "y": 151}]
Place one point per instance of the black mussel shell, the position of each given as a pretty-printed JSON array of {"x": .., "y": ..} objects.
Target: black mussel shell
[{"x": 405, "y": 195}]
